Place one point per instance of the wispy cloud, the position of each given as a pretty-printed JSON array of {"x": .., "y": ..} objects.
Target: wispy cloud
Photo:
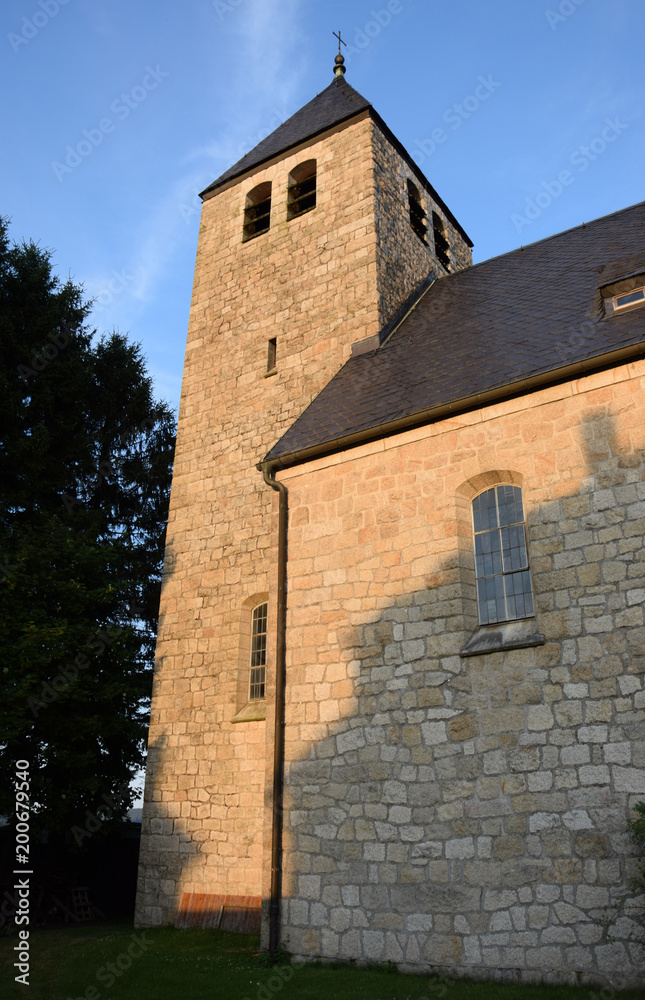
[
  {"x": 160, "y": 238},
  {"x": 158, "y": 242},
  {"x": 274, "y": 67},
  {"x": 263, "y": 91},
  {"x": 267, "y": 73}
]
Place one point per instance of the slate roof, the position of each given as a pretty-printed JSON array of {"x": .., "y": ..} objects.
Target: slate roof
[
  {"x": 335, "y": 104},
  {"x": 533, "y": 312}
]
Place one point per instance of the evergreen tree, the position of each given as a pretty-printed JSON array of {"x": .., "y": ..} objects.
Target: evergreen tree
[{"x": 85, "y": 468}]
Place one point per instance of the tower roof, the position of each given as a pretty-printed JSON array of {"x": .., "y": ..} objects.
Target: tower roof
[{"x": 333, "y": 105}]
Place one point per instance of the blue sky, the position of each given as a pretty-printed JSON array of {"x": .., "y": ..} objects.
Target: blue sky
[{"x": 526, "y": 116}]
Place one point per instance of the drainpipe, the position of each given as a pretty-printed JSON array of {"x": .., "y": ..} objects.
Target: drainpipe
[{"x": 278, "y": 741}]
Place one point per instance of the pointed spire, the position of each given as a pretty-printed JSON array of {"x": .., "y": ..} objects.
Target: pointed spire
[{"x": 339, "y": 61}]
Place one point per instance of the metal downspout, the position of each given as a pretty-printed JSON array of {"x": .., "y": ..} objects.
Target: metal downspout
[{"x": 278, "y": 743}]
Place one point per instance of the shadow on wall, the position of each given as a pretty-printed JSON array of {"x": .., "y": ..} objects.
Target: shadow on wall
[
  {"x": 160, "y": 898},
  {"x": 471, "y": 815}
]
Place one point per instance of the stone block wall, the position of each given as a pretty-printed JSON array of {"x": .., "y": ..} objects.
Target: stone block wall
[
  {"x": 314, "y": 284},
  {"x": 398, "y": 246},
  {"x": 468, "y": 814}
]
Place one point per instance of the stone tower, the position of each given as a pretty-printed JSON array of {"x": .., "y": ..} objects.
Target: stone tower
[{"x": 310, "y": 244}]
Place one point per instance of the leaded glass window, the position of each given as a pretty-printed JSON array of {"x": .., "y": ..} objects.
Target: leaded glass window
[
  {"x": 501, "y": 560},
  {"x": 258, "y": 652}
]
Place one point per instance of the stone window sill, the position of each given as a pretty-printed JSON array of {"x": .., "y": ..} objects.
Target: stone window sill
[
  {"x": 505, "y": 635},
  {"x": 255, "y": 711},
  {"x": 274, "y": 371}
]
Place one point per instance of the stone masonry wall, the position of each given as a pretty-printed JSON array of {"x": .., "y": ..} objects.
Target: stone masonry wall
[
  {"x": 398, "y": 244},
  {"x": 468, "y": 815},
  {"x": 312, "y": 283}
]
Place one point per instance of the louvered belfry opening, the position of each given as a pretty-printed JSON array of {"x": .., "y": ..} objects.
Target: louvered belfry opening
[
  {"x": 441, "y": 245},
  {"x": 257, "y": 212},
  {"x": 301, "y": 196},
  {"x": 417, "y": 214}
]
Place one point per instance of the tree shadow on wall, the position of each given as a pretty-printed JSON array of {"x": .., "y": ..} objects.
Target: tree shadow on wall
[{"x": 470, "y": 816}]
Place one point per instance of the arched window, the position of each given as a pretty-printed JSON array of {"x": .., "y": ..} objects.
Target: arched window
[
  {"x": 257, "y": 212},
  {"x": 417, "y": 215},
  {"x": 441, "y": 245},
  {"x": 501, "y": 561},
  {"x": 301, "y": 194},
  {"x": 258, "y": 652}
]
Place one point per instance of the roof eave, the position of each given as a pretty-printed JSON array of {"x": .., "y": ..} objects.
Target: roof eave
[{"x": 430, "y": 415}]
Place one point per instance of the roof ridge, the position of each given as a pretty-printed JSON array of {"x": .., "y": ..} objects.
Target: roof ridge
[{"x": 555, "y": 236}]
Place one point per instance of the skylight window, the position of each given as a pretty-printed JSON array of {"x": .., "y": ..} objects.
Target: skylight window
[
  {"x": 629, "y": 299},
  {"x": 624, "y": 293}
]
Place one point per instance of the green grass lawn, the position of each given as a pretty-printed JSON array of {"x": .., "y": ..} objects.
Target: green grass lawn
[{"x": 92, "y": 961}]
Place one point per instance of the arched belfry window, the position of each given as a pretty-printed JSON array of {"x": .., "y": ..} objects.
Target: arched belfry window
[
  {"x": 501, "y": 560},
  {"x": 258, "y": 652},
  {"x": 257, "y": 211},
  {"x": 441, "y": 245},
  {"x": 417, "y": 214},
  {"x": 301, "y": 194}
]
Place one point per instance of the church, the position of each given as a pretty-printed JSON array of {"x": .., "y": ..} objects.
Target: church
[{"x": 398, "y": 700}]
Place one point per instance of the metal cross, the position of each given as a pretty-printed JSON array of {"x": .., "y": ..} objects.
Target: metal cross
[{"x": 340, "y": 40}]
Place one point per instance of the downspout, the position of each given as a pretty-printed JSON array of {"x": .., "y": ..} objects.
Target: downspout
[{"x": 278, "y": 740}]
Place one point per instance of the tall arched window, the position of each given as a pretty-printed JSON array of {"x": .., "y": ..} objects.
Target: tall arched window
[
  {"x": 301, "y": 194},
  {"x": 441, "y": 245},
  {"x": 501, "y": 560},
  {"x": 257, "y": 211},
  {"x": 258, "y": 652},
  {"x": 417, "y": 214}
]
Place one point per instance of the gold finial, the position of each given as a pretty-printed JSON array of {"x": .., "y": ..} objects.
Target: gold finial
[{"x": 339, "y": 61}]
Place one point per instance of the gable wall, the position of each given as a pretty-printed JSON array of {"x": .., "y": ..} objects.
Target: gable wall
[{"x": 469, "y": 814}]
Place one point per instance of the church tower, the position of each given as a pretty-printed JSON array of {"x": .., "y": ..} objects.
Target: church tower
[{"x": 308, "y": 248}]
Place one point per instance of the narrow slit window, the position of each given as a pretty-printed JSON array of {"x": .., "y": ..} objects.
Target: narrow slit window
[
  {"x": 441, "y": 245},
  {"x": 272, "y": 355},
  {"x": 301, "y": 194},
  {"x": 502, "y": 572},
  {"x": 257, "y": 212},
  {"x": 258, "y": 652},
  {"x": 417, "y": 214}
]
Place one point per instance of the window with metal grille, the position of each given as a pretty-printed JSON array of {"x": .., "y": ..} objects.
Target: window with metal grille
[
  {"x": 257, "y": 212},
  {"x": 441, "y": 245},
  {"x": 501, "y": 560},
  {"x": 301, "y": 194},
  {"x": 417, "y": 215},
  {"x": 258, "y": 652}
]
